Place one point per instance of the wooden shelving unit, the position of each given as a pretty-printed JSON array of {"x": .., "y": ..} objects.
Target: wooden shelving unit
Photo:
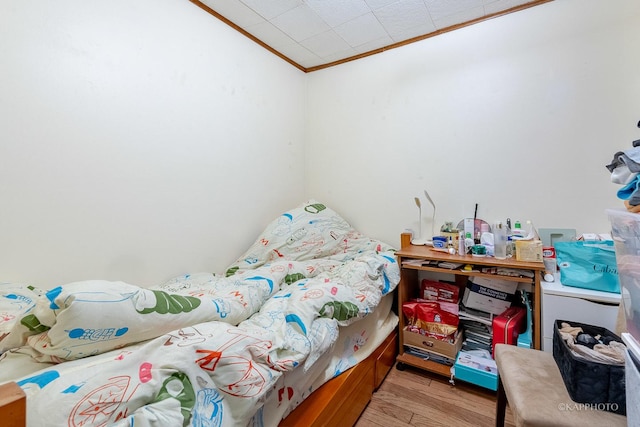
[{"x": 409, "y": 286}]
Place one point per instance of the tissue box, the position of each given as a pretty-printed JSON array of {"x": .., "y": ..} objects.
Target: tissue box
[{"x": 529, "y": 250}]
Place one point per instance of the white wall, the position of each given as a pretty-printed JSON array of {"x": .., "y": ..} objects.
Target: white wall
[
  {"x": 143, "y": 140},
  {"x": 139, "y": 140},
  {"x": 519, "y": 114}
]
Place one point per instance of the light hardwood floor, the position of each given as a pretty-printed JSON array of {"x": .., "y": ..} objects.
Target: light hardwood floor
[{"x": 413, "y": 397}]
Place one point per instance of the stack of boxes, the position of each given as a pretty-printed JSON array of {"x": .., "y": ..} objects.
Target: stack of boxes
[
  {"x": 433, "y": 331},
  {"x": 484, "y": 299},
  {"x": 468, "y": 349}
]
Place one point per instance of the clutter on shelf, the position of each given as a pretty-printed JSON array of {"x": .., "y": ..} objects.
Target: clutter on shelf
[{"x": 474, "y": 236}]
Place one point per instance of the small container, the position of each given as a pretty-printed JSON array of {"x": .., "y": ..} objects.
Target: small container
[
  {"x": 478, "y": 250},
  {"x": 511, "y": 247},
  {"x": 461, "y": 247},
  {"x": 499, "y": 241},
  {"x": 405, "y": 239},
  {"x": 439, "y": 242}
]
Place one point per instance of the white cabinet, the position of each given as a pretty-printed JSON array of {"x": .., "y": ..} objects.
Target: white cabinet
[{"x": 575, "y": 304}]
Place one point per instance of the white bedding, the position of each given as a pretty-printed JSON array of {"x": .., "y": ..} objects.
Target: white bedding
[{"x": 239, "y": 348}]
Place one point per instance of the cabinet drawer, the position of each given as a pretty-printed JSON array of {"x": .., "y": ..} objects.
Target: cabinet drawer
[
  {"x": 577, "y": 310},
  {"x": 13, "y": 405},
  {"x": 434, "y": 345},
  {"x": 385, "y": 360}
]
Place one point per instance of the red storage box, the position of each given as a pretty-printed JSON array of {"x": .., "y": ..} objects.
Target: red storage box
[{"x": 508, "y": 325}]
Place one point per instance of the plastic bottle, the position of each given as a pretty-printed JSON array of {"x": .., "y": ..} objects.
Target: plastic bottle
[
  {"x": 500, "y": 241},
  {"x": 531, "y": 230},
  {"x": 461, "y": 248}
]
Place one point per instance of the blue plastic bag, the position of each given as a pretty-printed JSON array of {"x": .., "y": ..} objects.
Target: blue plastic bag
[{"x": 588, "y": 265}]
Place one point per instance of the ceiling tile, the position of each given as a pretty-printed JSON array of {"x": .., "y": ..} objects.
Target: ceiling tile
[
  {"x": 235, "y": 11},
  {"x": 441, "y": 8},
  {"x": 374, "y": 45},
  {"x": 269, "y": 9},
  {"x": 361, "y": 30},
  {"x": 412, "y": 32},
  {"x": 300, "y": 23},
  {"x": 458, "y": 17},
  {"x": 313, "y": 33},
  {"x": 270, "y": 35},
  {"x": 377, "y": 4},
  {"x": 301, "y": 54},
  {"x": 495, "y": 6},
  {"x": 340, "y": 55},
  {"x": 338, "y": 12},
  {"x": 403, "y": 15},
  {"x": 326, "y": 44}
]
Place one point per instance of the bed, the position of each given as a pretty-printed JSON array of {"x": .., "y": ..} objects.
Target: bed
[{"x": 298, "y": 331}]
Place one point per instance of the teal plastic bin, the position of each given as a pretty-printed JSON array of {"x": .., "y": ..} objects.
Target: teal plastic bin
[{"x": 476, "y": 370}]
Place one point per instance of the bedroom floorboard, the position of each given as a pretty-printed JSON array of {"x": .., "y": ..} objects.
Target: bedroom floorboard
[{"x": 413, "y": 398}]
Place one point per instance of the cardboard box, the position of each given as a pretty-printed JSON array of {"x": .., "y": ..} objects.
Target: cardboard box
[
  {"x": 489, "y": 295},
  {"x": 476, "y": 370},
  {"x": 454, "y": 236},
  {"x": 432, "y": 344},
  {"x": 529, "y": 250}
]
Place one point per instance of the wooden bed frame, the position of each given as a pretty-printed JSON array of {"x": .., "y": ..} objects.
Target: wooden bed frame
[
  {"x": 13, "y": 405},
  {"x": 341, "y": 400},
  {"x": 338, "y": 402}
]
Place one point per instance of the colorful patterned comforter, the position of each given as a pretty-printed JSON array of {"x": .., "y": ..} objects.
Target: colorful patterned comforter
[{"x": 202, "y": 349}]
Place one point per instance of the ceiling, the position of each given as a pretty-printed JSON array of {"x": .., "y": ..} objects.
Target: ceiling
[{"x": 315, "y": 34}]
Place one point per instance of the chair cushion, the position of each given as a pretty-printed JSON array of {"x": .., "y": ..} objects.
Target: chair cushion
[{"x": 537, "y": 395}]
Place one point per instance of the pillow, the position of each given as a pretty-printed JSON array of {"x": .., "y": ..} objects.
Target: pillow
[
  {"x": 16, "y": 303},
  {"x": 309, "y": 231}
]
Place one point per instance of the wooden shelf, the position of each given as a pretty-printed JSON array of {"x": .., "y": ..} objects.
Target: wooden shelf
[
  {"x": 408, "y": 288},
  {"x": 427, "y": 365},
  {"x": 458, "y": 272},
  {"x": 426, "y": 252}
]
